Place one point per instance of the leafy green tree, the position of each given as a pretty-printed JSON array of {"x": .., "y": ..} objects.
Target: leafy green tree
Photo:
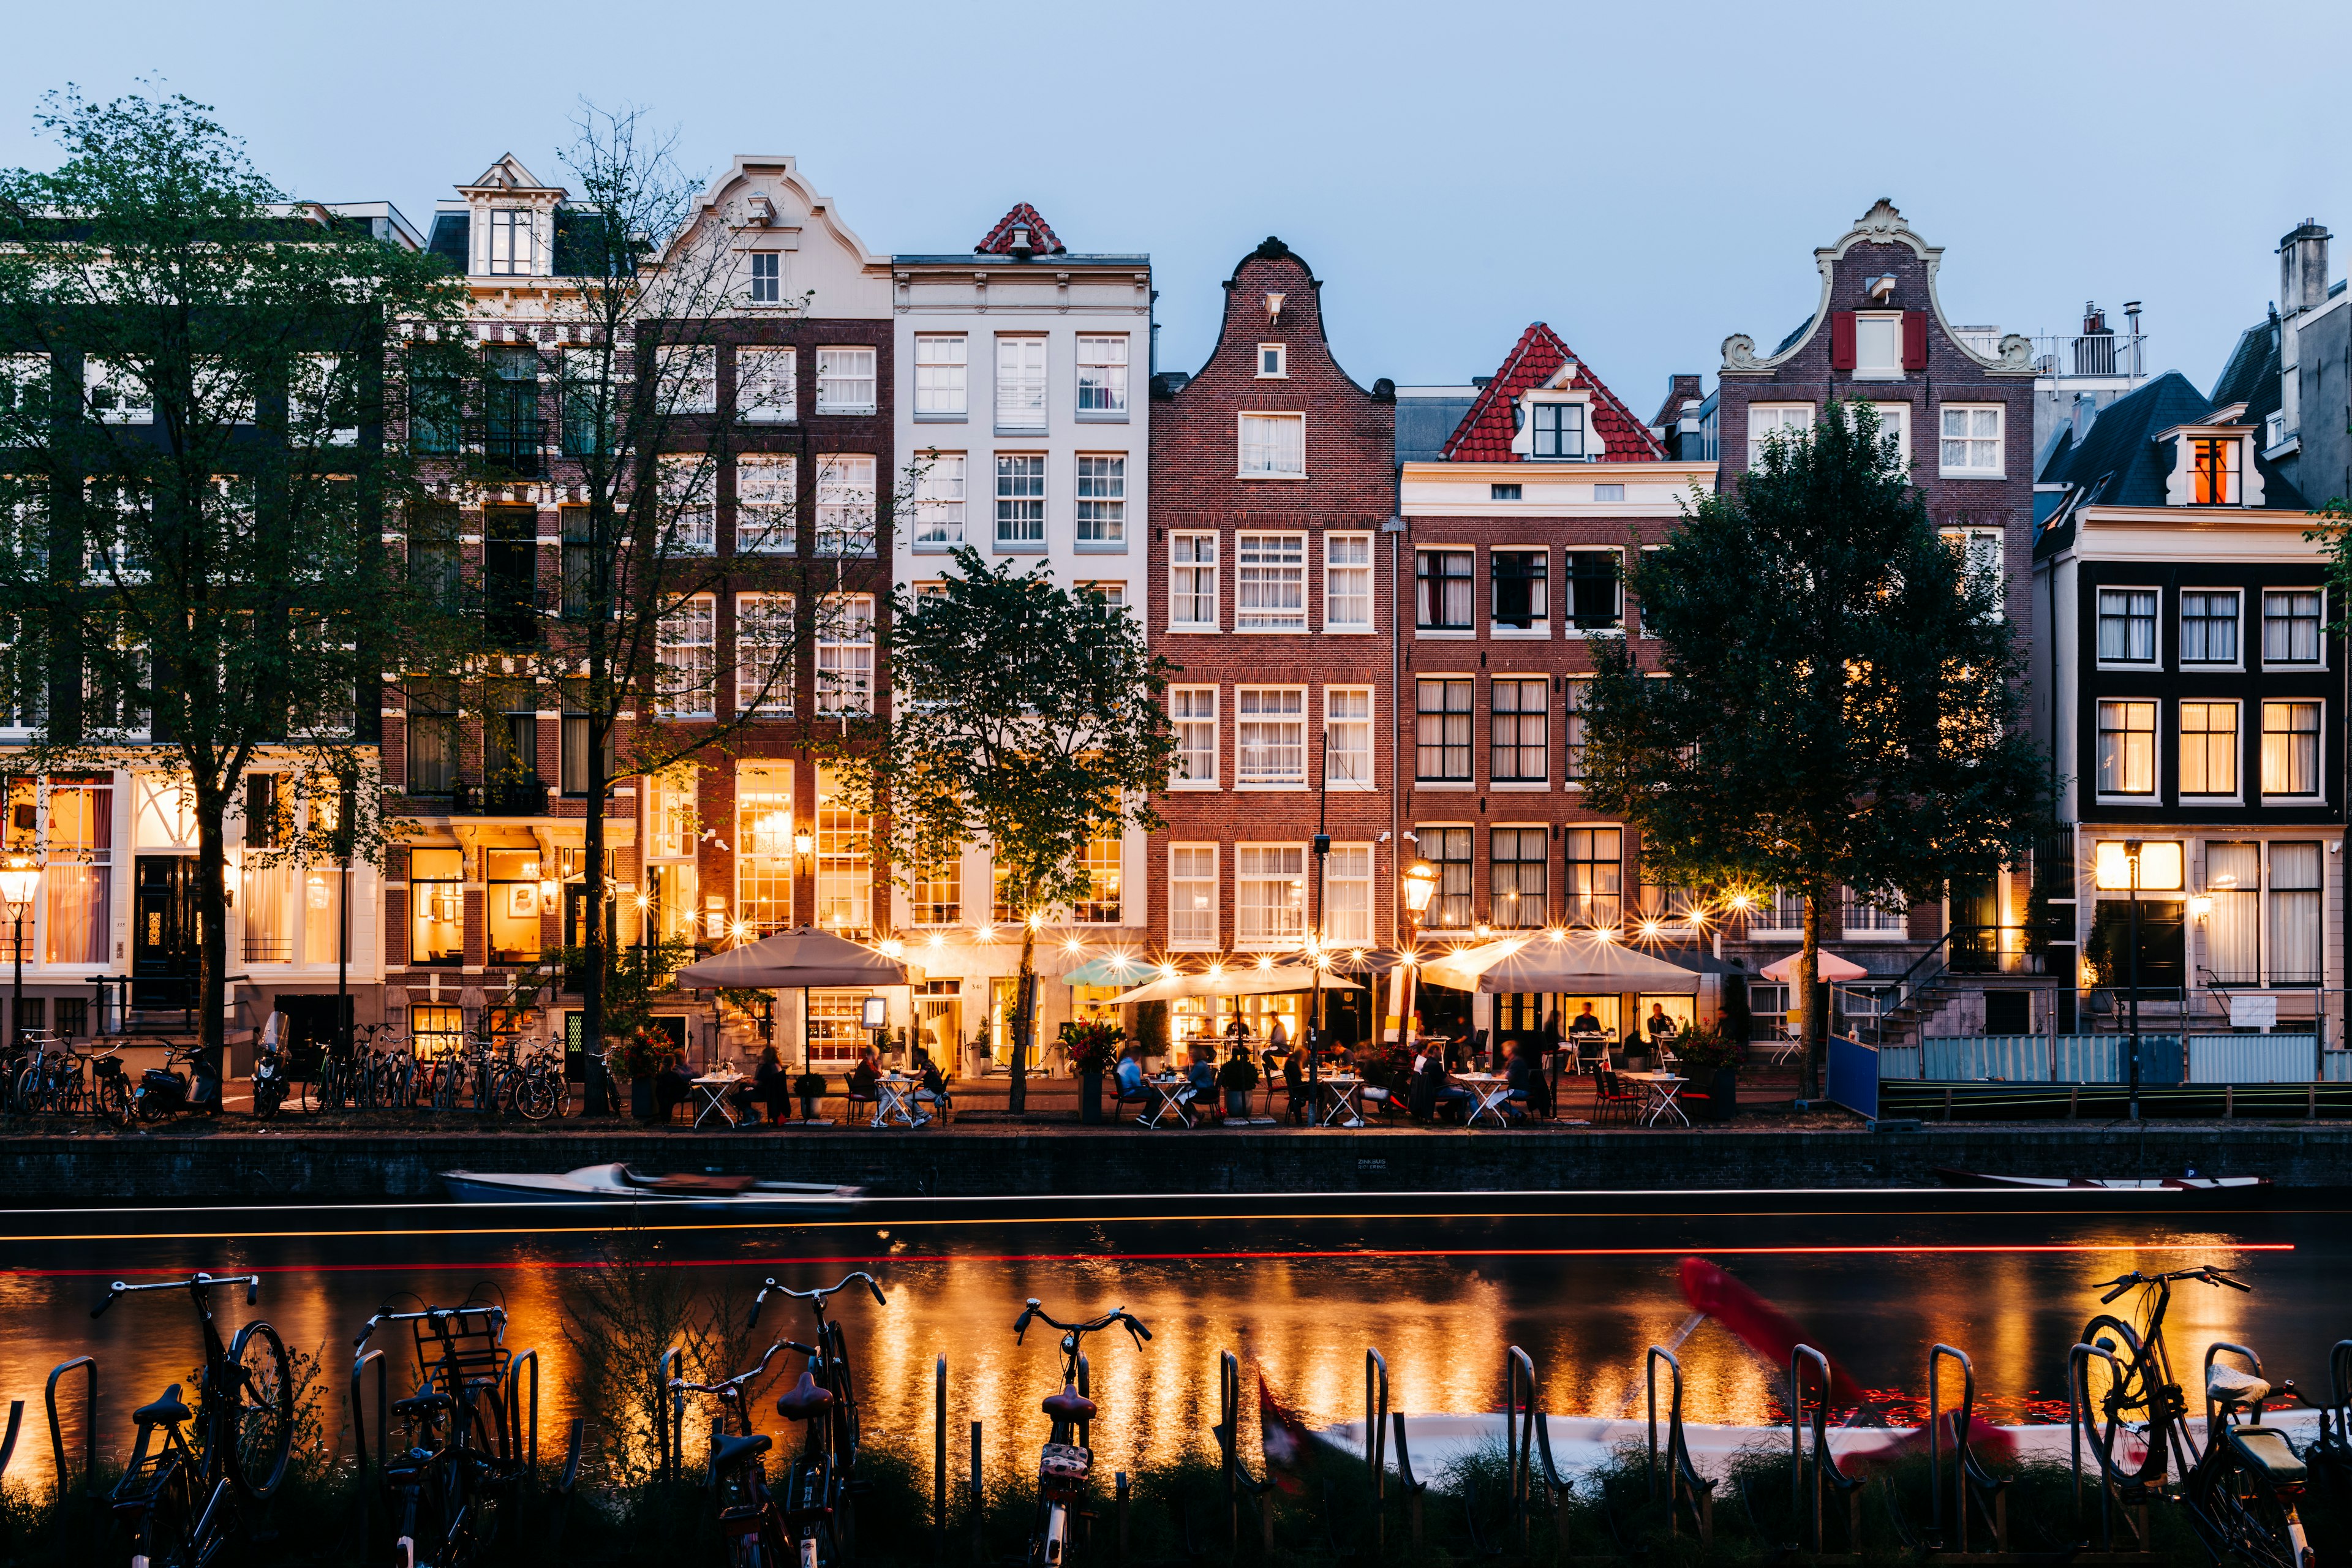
[
  {"x": 193, "y": 435},
  {"x": 1024, "y": 717},
  {"x": 1840, "y": 697}
]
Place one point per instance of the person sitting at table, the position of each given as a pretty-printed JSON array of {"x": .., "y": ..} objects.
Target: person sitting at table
[
  {"x": 1662, "y": 1029},
  {"x": 769, "y": 1088},
  {"x": 1528, "y": 1095},
  {"x": 1238, "y": 1030},
  {"x": 1294, "y": 1085},
  {"x": 1433, "y": 1096},
  {"x": 1237, "y": 1078},
  {"x": 672, "y": 1085},
  {"x": 863, "y": 1077},
  {"x": 1200, "y": 1091},
  {"x": 933, "y": 1094}
]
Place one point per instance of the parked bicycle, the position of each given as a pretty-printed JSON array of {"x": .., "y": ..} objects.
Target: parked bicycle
[
  {"x": 179, "y": 1503},
  {"x": 451, "y": 1470},
  {"x": 1064, "y": 1462},
  {"x": 2241, "y": 1483}
]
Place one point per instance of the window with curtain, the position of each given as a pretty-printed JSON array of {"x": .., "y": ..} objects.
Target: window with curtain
[
  {"x": 939, "y": 499},
  {"x": 1270, "y": 581},
  {"x": 2209, "y": 625},
  {"x": 1448, "y": 848},
  {"x": 1348, "y": 895},
  {"x": 1269, "y": 895},
  {"x": 1518, "y": 587},
  {"x": 844, "y": 381},
  {"x": 1442, "y": 749},
  {"x": 2208, "y": 748},
  {"x": 1270, "y": 734},
  {"x": 764, "y": 648},
  {"x": 845, "y": 866},
  {"x": 1273, "y": 446},
  {"x": 2128, "y": 626},
  {"x": 1347, "y": 581},
  {"x": 766, "y": 491},
  {"x": 2291, "y": 748},
  {"x": 1021, "y": 384},
  {"x": 2291, "y": 626},
  {"x": 2126, "y": 748},
  {"x": 687, "y": 650},
  {"x": 764, "y": 849},
  {"x": 2234, "y": 881},
  {"x": 1347, "y": 722},
  {"x": 1193, "y": 895},
  {"x": 1594, "y": 859},
  {"x": 1193, "y": 581},
  {"x": 1516, "y": 891},
  {"x": 1445, "y": 579},
  {"x": 1517, "y": 712},
  {"x": 1596, "y": 600},
  {"x": 1194, "y": 710},
  {"x": 2295, "y": 913},
  {"x": 1103, "y": 865},
  {"x": 940, "y": 376},
  {"x": 1572, "y": 727},
  {"x": 81, "y": 871}
]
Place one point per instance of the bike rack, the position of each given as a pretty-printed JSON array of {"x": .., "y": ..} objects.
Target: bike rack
[
  {"x": 563, "y": 1488},
  {"x": 1376, "y": 1443},
  {"x": 1972, "y": 1482},
  {"x": 2216, "y": 1348},
  {"x": 979, "y": 1503},
  {"x": 669, "y": 1415},
  {"x": 1234, "y": 1475},
  {"x": 522, "y": 1442},
  {"x": 8, "y": 1444},
  {"x": 2078, "y": 1413},
  {"x": 2336, "y": 1416},
  {"x": 939, "y": 1462},
  {"x": 360, "y": 1425},
  {"x": 88, "y": 1365},
  {"x": 1520, "y": 1419},
  {"x": 1683, "y": 1480},
  {"x": 1415, "y": 1490},
  {"x": 1824, "y": 1467}
]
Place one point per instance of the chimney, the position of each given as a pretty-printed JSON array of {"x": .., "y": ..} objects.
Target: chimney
[
  {"x": 1018, "y": 242},
  {"x": 2302, "y": 267}
]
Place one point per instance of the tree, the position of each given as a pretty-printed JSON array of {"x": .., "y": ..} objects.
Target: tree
[
  {"x": 1024, "y": 717},
  {"x": 196, "y": 393},
  {"x": 1840, "y": 697}
]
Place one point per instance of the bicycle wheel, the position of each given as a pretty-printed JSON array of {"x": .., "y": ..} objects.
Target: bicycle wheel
[
  {"x": 262, "y": 1409},
  {"x": 534, "y": 1096},
  {"x": 162, "y": 1530},
  {"x": 114, "y": 1101},
  {"x": 2119, "y": 1411}
]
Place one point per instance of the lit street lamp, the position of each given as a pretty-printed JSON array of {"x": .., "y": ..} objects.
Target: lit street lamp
[
  {"x": 2131, "y": 855},
  {"x": 19, "y": 883},
  {"x": 1420, "y": 885}
]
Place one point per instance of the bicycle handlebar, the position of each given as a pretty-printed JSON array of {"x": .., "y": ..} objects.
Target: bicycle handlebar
[
  {"x": 729, "y": 1385},
  {"x": 1120, "y": 1315},
  {"x": 770, "y": 1286},
  {"x": 430, "y": 1314},
  {"x": 252, "y": 1283},
  {"x": 2207, "y": 1272}
]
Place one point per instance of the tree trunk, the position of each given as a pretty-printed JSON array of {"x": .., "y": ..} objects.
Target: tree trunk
[
  {"x": 1815, "y": 1024},
  {"x": 1024, "y": 1016},
  {"x": 212, "y": 920},
  {"x": 597, "y": 1087}
]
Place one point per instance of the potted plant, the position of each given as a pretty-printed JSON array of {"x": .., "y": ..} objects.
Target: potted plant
[
  {"x": 1092, "y": 1044},
  {"x": 807, "y": 1088},
  {"x": 1237, "y": 1078},
  {"x": 1711, "y": 1059},
  {"x": 640, "y": 1056}
]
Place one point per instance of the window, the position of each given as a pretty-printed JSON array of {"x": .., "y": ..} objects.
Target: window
[
  {"x": 2208, "y": 748},
  {"x": 1571, "y": 728},
  {"x": 1559, "y": 431},
  {"x": 1448, "y": 848},
  {"x": 2290, "y": 749},
  {"x": 764, "y": 505},
  {"x": 1517, "y": 716},
  {"x": 589, "y": 409},
  {"x": 935, "y": 894},
  {"x": 1518, "y": 588},
  {"x": 1596, "y": 594},
  {"x": 845, "y": 505},
  {"x": 432, "y": 734},
  {"x": 767, "y": 276},
  {"x": 844, "y": 865},
  {"x": 1505, "y": 492},
  {"x": 1895, "y": 420},
  {"x": 1102, "y": 377},
  {"x": 1516, "y": 859},
  {"x": 573, "y": 767},
  {"x": 579, "y": 552},
  {"x": 1347, "y": 726},
  {"x": 689, "y": 513},
  {"x": 1020, "y": 386},
  {"x": 1102, "y": 500},
  {"x": 514, "y": 242},
  {"x": 1981, "y": 553},
  {"x": 116, "y": 395},
  {"x": 688, "y": 375},
  {"x": 2291, "y": 626},
  {"x": 1445, "y": 580},
  {"x": 115, "y": 531},
  {"x": 510, "y": 889},
  {"x": 25, "y": 387},
  {"x": 1192, "y": 581},
  {"x": 763, "y": 653},
  {"x": 1105, "y": 863},
  {"x": 767, "y": 386},
  {"x": 2234, "y": 881},
  {"x": 1273, "y": 446},
  {"x": 1609, "y": 492},
  {"x": 1193, "y": 895},
  {"x": 844, "y": 381},
  {"x": 1269, "y": 895},
  {"x": 80, "y": 857},
  {"x": 2209, "y": 627},
  {"x": 1193, "y": 710},
  {"x": 2213, "y": 470},
  {"x": 938, "y": 500},
  {"x": 1971, "y": 440},
  {"x": 437, "y": 906},
  {"x": 1273, "y": 361},
  {"x": 1114, "y": 593},
  {"x": 1347, "y": 581},
  {"x": 1270, "y": 581},
  {"x": 1770, "y": 422},
  {"x": 1020, "y": 500},
  {"x": 844, "y": 655},
  {"x": 2296, "y": 918},
  {"x": 1878, "y": 345},
  {"x": 764, "y": 849},
  {"x": 1270, "y": 734},
  {"x": 688, "y": 651},
  {"x": 1348, "y": 895},
  {"x": 940, "y": 367},
  {"x": 2126, "y": 748},
  {"x": 1443, "y": 748},
  {"x": 321, "y": 403},
  {"x": 2128, "y": 626}
]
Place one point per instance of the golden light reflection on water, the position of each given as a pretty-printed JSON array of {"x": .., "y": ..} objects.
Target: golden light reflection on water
[{"x": 1441, "y": 1322}]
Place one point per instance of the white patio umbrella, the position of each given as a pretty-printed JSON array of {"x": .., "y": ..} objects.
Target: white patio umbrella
[
  {"x": 1572, "y": 962},
  {"x": 1827, "y": 965},
  {"x": 1239, "y": 980}
]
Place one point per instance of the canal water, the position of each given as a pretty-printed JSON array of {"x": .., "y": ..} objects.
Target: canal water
[{"x": 1440, "y": 1287}]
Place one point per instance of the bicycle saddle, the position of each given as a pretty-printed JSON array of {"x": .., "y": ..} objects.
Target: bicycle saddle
[
  {"x": 2225, "y": 1384},
  {"x": 804, "y": 1400},
  {"x": 728, "y": 1449},
  {"x": 1069, "y": 1405},
  {"x": 2265, "y": 1449},
  {"x": 168, "y": 1411},
  {"x": 420, "y": 1400}
]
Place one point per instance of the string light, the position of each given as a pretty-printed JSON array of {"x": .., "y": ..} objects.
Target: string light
[
  {"x": 939, "y": 942},
  {"x": 892, "y": 948}
]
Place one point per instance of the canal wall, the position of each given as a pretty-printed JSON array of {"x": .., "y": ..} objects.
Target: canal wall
[{"x": 296, "y": 1166}]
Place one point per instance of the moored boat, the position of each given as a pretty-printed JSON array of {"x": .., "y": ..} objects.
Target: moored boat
[
  {"x": 618, "y": 1182},
  {"x": 2189, "y": 1184}
]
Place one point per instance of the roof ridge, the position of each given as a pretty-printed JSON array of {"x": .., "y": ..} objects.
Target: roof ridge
[{"x": 1480, "y": 426}]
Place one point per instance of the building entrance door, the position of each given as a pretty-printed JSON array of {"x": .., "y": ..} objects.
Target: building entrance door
[{"x": 165, "y": 931}]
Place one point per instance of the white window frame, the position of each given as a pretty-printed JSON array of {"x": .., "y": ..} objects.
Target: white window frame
[
  {"x": 687, "y": 653},
  {"x": 1270, "y": 723},
  {"x": 1255, "y": 857},
  {"x": 767, "y": 503},
  {"x": 763, "y": 622},
  {"x": 1011, "y": 504},
  {"x": 1998, "y": 440},
  {"x": 688, "y": 494},
  {"x": 844, "y": 655},
  {"x": 690, "y": 371},
  {"x": 1101, "y": 379},
  {"x": 2155, "y": 733},
  {"x": 1340, "y": 580},
  {"x": 1349, "y": 760},
  {"x": 1786, "y": 418},
  {"x": 1105, "y": 511},
  {"x": 843, "y": 373},
  {"x": 2101, "y": 659},
  {"x": 1190, "y": 857},
  {"x": 1193, "y": 710},
  {"x": 2318, "y": 662},
  {"x": 1270, "y": 583},
  {"x": 2237, "y": 750},
  {"x": 1348, "y": 893},
  {"x": 510, "y": 249},
  {"x": 2317, "y": 795},
  {"x": 310, "y": 395},
  {"x": 1886, "y": 325},
  {"x": 766, "y": 284},
  {"x": 1573, "y": 692},
  {"x": 942, "y": 493},
  {"x": 1276, "y": 355},
  {"x": 1023, "y": 382},
  {"x": 119, "y": 387},
  {"x": 1900, "y": 415},
  {"x": 845, "y": 504},
  {"x": 2237, "y": 619},
  {"x": 1188, "y": 578},
  {"x": 1263, "y": 452},
  {"x": 942, "y": 377},
  {"x": 767, "y": 384}
]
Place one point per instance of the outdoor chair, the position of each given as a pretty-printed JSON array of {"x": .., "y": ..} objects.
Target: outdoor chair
[
  {"x": 1610, "y": 1100},
  {"x": 856, "y": 1108},
  {"x": 1120, "y": 1101}
]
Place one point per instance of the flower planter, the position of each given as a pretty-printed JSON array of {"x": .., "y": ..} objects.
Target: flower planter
[
  {"x": 1723, "y": 1094},
  {"x": 1237, "y": 1104},
  {"x": 1090, "y": 1098},
  {"x": 641, "y": 1099}
]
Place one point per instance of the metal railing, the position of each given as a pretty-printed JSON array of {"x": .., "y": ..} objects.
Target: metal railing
[{"x": 2091, "y": 354}]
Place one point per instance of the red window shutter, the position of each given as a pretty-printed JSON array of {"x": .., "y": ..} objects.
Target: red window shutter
[
  {"x": 1841, "y": 339},
  {"x": 1915, "y": 340}
]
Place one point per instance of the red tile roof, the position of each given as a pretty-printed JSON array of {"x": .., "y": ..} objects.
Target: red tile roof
[
  {"x": 1486, "y": 432},
  {"x": 1022, "y": 216}
]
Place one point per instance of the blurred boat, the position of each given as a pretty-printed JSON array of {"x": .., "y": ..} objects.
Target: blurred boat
[
  {"x": 1952, "y": 1178},
  {"x": 619, "y": 1184}
]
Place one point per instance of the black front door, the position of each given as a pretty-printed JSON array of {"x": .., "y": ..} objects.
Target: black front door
[
  {"x": 2163, "y": 947},
  {"x": 165, "y": 931}
]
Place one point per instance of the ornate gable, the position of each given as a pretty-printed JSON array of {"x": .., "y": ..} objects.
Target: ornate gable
[{"x": 1492, "y": 431}]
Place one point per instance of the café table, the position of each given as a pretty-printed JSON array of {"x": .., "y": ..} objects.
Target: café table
[
  {"x": 894, "y": 1096},
  {"x": 1167, "y": 1090},
  {"x": 710, "y": 1092},
  {"x": 1488, "y": 1090},
  {"x": 1665, "y": 1089},
  {"x": 1346, "y": 1098}
]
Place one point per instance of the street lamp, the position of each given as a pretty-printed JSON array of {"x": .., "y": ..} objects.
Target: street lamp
[
  {"x": 1420, "y": 885},
  {"x": 2131, "y": 856},
  {"x": 19, "y": 883}
]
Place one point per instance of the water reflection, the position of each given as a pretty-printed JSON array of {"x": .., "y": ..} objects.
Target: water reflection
[{"x": 1301, "y": 1308}]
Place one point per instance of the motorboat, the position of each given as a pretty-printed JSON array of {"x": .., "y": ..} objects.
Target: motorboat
[
  {"x": 618, "y": 1182},
  {"x": 2189, "y": 1184}
]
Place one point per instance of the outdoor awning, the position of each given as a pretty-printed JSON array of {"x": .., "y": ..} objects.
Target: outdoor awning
[
  {"x": 1238, "y": 981},
  {"x": 1108, "y": 969},
  {"x": 792, "y": 961},
  {"x": 1572, "y": 964},
  {"x": 1827, "y": 967}
]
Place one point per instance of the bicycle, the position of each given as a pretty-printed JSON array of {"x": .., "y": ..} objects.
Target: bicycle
[
  {"x": 1064, "y": 1462},
  {"x": 2240, "y": 1485},
  {"x": 245, "y": 1420},
  {"x": 451, "y": 1469}
]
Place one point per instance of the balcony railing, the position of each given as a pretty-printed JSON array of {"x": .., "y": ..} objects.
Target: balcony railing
[
  {"x": 502, "y": 797},
  {"x": 2091, "y": 354},
  {"x": 518, "y": 447}
]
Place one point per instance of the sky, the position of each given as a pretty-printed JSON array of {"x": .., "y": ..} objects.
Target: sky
[{"x": 1649, "y": 179}]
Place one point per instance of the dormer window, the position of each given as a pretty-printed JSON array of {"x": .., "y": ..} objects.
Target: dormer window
[
  {"x": 1559, "y": 431},
  {"x": 2214, "y": 470},
  {"x": 514, "y": 242},
  {"x": 1878, "y": 345},
  {"x": 1273, "y": 361}
]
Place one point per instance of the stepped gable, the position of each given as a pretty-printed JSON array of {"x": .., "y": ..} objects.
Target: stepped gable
[
  {"x": 1042, "y": 241},
  {"x": 1486, "y": 432}
]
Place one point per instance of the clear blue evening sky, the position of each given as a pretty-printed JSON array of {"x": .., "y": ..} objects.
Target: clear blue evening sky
[{"x": 1647, "y": 178}]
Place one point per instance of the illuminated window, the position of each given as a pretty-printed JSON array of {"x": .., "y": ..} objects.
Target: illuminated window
[
  {"x": 2290, "y": 749},
  {"x": 764, "y": 849},
  {"x": 2208, "y": 748},
  {"x": 2213, "y": 470},
  {"x": 844, "y": 864},
  {"x": 1101, "y": 906},
  {"x": 1594, "y": 859},
  {"x": 1269, "y": 895},
  {"x": 1515, "y": 861},
  {"x": 2126, "y": 748}
]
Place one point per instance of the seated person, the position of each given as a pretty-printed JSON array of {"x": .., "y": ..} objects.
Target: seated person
[
  {"x": 672, "y": 1085},
  {"x": 1662, "y": 1029},
  {"x": 1126, "y": 1077},
  {"x": 864, "y": 1076},
  {"x": 1294, "y": 1085},
  {"x": 1433, "y": 1095},
  {"x": 933, "y": 1095},
  {"x": 1529, "y": 1095},
  {"x": 1200, "y": 1091},
  {"x": 769, "y": 1088}
]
